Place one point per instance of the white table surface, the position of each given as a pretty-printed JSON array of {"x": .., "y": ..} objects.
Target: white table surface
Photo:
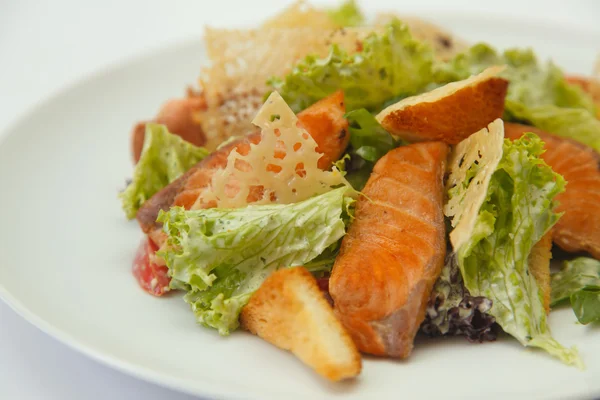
[{"x": 45, "y": 45}]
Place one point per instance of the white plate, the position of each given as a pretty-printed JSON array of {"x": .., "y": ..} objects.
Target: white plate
[{"x": 66, "y": 251}]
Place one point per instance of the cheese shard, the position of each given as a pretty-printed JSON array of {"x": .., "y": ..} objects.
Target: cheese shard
[
  {"x": 471, "y": 166},
  {"x": 282, "y": 168},
  {"x": 242, "y": 61}
]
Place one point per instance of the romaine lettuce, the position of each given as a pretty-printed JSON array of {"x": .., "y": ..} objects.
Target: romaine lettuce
[
  {"x": 579, "y": 281},
  {"x": 518, "y": 211},
  {"x": 164, "y": 158},
  {"x": 390, "y": 64},
  {"x": 347, "y": 14},
  {"x": 586, "y": 305},
  {"x": 537, "y": 94},
  {"x": 575, "y": 123},
  {"x": 221, "y": 256},
  {"x": 451, "y": 309}
]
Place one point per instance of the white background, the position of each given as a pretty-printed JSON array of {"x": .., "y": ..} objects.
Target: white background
[{"x": 45, "y": 46}]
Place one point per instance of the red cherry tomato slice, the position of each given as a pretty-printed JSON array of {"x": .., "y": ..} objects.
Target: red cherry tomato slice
[{"x": 151, "y": 277}]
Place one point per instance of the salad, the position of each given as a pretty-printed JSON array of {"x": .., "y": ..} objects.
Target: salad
[{"x": 370, "y": 181}]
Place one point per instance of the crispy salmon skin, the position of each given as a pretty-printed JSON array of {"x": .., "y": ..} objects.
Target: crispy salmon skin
[
  {"x": 324, "y": 121},
  {"x": 579, "y": 228},
  {"x": 394, "y": 250}
]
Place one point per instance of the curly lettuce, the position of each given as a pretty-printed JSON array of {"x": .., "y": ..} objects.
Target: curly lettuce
[
  {"x": 221, "y": 256},
  {"x": 579, "y": 282},
  {"x": 390, "y": 64},
  {"x": 538, "y": 94},
  {"x": 575, "y": 123},
  {"x": 348, "y": 14},
  {"x": 367, "y": 137},
  {"x": 517, "y": 212},
  {"x": 165, "y": 157},
  {"x": 368, "y": 143}
]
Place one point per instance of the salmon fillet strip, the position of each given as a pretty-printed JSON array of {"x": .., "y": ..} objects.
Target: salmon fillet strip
[
  {"x": 325, "y": 122},
  {"x": 394, "y": 250},
  {"x": 579, "y": 228}
]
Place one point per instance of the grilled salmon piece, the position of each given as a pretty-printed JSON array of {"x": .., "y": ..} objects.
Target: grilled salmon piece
[
  {"x": 579, "y": 228},
  {"x": 185, "y": 190},
  {"x": 450, "y": 113},
  {"x": 177, "y": 115},
  {"x": 324, "y": 121},
  {"x": 394, "y": 250}
]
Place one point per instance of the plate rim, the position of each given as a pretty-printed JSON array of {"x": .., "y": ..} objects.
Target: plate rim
[{"x": 137, "y": 370}]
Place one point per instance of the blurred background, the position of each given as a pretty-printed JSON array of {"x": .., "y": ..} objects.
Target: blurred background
[{"x": 45, "y": 46}]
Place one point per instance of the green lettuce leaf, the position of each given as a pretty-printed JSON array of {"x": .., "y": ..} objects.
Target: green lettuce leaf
[
  {"x": 368, "y": 143},
  {"x": 389, "y": 65},
  {"x": 323, "y": 263},
  {"x": 575, "y": 123},
  {"x": 367, "y": 137},
  {"x": 221, "y": 256},
  {"x": 164, "y": 158},
  {"x": 538, "y": 94},
  {"x": 578, "y": 274},
  {"x": 586, "y": 305},
  {"x": 348, "y": 14},
  {"x": 356, "y": 169},
  {"x": 517, "y": 212},
  {"x": 579, "y": 281}
]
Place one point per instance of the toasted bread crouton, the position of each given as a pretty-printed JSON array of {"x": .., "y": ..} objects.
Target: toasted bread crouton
[
  {"x": 290, "y": 311},
  {"x": 450, "y": 113},
  {"x": 539, "y": 265},
  {"x": 589, "y": 85}
]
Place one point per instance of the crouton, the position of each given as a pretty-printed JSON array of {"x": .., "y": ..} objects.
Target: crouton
[
  {"x": 290, "y": 311},
  {"x": 450, "y": 113}
]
